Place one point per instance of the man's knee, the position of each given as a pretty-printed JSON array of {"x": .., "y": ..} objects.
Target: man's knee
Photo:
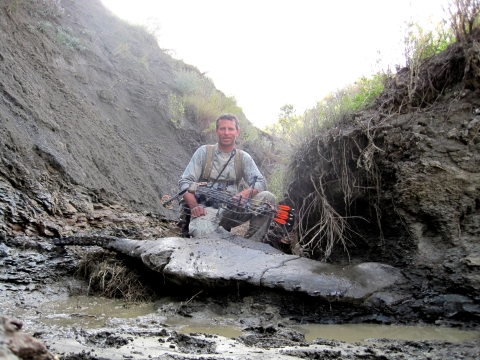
[{"x": 265, "y": 196}]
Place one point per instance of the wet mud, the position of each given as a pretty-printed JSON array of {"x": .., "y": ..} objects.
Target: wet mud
[{"x": 186, "y": 324}]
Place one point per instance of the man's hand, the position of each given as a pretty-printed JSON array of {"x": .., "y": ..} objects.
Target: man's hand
[
  {"x": 195, "y": 209},
  {"x": 198, "y": 211},
  {"x": 244, "y": 196}
]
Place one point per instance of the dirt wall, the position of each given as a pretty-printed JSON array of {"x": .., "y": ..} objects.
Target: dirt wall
[
  {"x": 405, "y": 177},
  {"x": 84, "y": 108}
]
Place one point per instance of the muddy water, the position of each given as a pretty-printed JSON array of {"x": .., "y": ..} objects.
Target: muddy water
[
  {"x": 351, "y": 333},
  {"x": 92, "y": 312},
  {"x": 87, "y": 311}
]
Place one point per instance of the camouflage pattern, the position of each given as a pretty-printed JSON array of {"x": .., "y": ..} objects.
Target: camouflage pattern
[
  {"x": 259, "y": 223},
  {"x": 194, "y": 170}
]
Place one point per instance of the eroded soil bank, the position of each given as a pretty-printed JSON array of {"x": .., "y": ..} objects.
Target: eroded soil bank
[{"x": 404, "y": 175}]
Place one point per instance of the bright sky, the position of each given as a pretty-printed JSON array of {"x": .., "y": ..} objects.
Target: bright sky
[{"x": 267, "y": 53}]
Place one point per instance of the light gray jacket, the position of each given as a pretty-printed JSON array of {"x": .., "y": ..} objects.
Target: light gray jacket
[{"x": 195, "y": 168}]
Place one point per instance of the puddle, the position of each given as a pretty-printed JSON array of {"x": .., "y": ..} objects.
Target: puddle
[
  {"x": 351, "y": 333},
  {"x": 90, "y": 312},
  {"x": 94, "y": 312},
  {"x": 218, "y": 325}
]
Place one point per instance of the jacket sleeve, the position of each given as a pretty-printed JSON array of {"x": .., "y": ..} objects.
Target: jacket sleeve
[
  {"x": 194, "y": 169},
  {"x": 249, "y": 170}
]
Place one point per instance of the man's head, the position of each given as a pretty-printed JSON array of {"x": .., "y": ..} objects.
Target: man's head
[
  {"x": 230, "y": 117},
  {"x": 227, "y": 131}
]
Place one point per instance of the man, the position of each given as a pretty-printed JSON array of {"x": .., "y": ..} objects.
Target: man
[{"x": 223, "y": 175}]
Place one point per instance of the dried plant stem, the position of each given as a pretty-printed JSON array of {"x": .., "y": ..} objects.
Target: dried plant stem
[{"x": 329, "y": 229}]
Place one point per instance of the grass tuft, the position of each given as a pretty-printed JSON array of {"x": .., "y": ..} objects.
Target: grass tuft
[{"x": 109, "y": 277}]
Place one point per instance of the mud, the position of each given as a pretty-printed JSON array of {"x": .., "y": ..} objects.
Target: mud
[
  {"x": 147, "y": 337},
  {"x": 265, "y": 322}
]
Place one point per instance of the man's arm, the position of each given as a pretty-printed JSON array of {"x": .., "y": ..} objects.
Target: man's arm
[
  {"x": 192, "y": 174},
  {"x": 250, "y": 171},
  {"x": 195, "y": 209},
  {"x": 244, "y": 195},
  {"x": 194, "y": 169}
]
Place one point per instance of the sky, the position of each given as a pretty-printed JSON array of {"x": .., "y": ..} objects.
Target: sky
[{"x": 268, "y": 53}]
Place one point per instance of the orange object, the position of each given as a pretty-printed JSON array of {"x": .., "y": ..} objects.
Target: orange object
[{"x": 283, "y": 215}]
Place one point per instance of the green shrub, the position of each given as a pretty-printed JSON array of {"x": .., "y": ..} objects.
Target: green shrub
[
  {"x": 44, "y": 26},
  {"x": 121, "y": 48},
  {"x": 276, "y": 182},
  {"x": 203, "y": 101},
  {"x": 177, "y": 110},
  {"x": 363, "y": 92},
  {"x": 144, "y": 61},
  {"x": 71, "y": 42},
  {"x": 421, "y": 44},
  {"x": 51, "y": 8},
  {"x": 14, "y": 5},
  {"x": 204, "y": 109},
  {"x": 191, "y": 81},
  {"x": 287, "y": 120}
]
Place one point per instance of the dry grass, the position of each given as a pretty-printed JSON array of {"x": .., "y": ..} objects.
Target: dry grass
[
  {"x": 321, "y": 225},
  {"x": 326, "y": 231},
  {"x": 109, "y": 277}
]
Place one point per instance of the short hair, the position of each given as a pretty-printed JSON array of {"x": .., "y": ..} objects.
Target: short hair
[{"x": 228, "y": 116}]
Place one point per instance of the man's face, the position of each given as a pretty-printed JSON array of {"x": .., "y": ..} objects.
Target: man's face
[{"x": 227, "y": 133}]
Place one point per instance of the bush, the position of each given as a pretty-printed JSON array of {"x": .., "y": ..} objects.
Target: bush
[
  {"x": 44, "y": 26},
  {"x": 295, "y": 130},
  {"x": 71, "y": 42},
  {"x": 421, "y": 44},
  {"x": 176, "y": 109},
  {"x": 363, "y": 92},
  {"x": 464, "y": 17},
  {"x": 190, "y": 81},
  {"x": 203, "y": 102},
  {"x": 205, "y": 109}
]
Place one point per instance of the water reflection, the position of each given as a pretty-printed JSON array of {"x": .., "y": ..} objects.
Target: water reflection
[
  {"x": 360, "y": 332},
  {"x": 90, "y": 312}
]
